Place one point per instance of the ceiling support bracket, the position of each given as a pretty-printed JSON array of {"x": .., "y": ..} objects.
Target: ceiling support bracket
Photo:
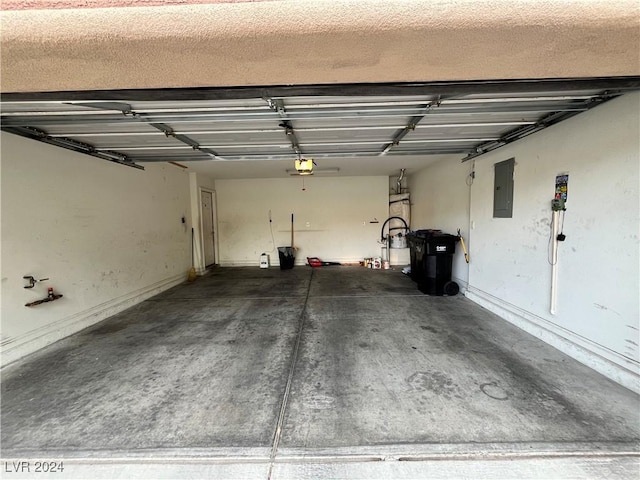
[
  {"x": 168, "y": 131},
  {"x": 278, "y": 107},
  {"x": 411, "y": 126}
]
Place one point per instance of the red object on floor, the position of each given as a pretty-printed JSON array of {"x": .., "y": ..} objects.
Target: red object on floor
[{"x": 314, "y": 261}]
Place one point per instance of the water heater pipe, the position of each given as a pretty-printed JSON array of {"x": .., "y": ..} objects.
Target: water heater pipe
[
  {"x": 554, "y": 260},
  {"x": 406, "y": 226},
  {"x": 399, "y": 182}
]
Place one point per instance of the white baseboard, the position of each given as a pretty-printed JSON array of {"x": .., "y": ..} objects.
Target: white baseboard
[
  {"x": 245, "y": 263},
  {"x": 52, "y": 332},
  {"x": 274, "y": 261},
  {"x": 616, "y": 367},
  {"x": 461, "y": 283}
]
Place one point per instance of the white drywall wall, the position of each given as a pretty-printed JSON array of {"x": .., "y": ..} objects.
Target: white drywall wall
[
  {"x": 440, "y": 200},
  {"x": 331, "y": 218},
  {"x": 106, "y": 235},
  {"x": 597, "y": 318}
]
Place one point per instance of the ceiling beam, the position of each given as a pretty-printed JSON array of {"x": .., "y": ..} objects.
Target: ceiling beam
[
  {"x": 312, "y": 129},
  {"x": 280, "y": 156},
  {"x": 363, "y": 89},
  {"x": 443, "y": 111}
]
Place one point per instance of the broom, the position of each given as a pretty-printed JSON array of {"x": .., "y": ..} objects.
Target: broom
[{"x": 192, "y": 270}]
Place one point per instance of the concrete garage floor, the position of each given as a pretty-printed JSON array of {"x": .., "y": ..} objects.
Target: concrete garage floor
[{"x": 337, "y": 372}]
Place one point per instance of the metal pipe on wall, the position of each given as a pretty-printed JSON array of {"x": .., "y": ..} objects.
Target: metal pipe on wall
[
  {"x": 554, "y": 261},
  {"x": 399, "y": 182}
]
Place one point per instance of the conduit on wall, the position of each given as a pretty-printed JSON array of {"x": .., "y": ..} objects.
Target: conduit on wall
[{"x": 554, "y": 261}]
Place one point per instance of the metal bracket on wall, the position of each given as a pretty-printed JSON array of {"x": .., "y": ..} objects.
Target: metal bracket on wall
[
  {"x": 32, "y": 281},
  {"x": 51, "y": 296}
]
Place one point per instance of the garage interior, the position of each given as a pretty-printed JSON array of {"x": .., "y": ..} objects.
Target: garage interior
[{"x": 138, "y": 142}]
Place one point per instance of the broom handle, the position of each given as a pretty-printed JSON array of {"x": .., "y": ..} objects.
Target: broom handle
[{"x": 292, "y": 244}]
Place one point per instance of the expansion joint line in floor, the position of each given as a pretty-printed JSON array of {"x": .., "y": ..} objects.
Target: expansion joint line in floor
[{"x": 287, "y": 390}]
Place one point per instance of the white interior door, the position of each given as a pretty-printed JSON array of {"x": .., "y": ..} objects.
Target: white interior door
[{"x": 208, "y": 233}]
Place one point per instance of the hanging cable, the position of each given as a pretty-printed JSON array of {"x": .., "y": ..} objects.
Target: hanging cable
[
  {"x": 273, "y": 241},
  {"x": 561, "y": 235},
  {"x": 471, "y": 176}
]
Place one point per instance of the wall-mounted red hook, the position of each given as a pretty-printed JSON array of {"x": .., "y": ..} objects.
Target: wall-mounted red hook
[
  {"x": 32, "y": 281},
  {"x": 50, "y": 298}
]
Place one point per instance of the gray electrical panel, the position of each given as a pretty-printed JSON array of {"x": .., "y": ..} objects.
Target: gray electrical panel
[{"x": 503, "y": 189}]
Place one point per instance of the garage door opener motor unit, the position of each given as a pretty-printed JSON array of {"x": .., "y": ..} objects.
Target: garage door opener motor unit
[{"x": 431, "y": 253}]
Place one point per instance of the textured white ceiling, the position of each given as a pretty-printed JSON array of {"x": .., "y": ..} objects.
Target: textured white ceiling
[{"x": 295, "y": 42}]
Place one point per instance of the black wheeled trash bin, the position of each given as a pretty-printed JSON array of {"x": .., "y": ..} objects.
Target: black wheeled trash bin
[
  {"x": 416, "y": 241},
  {"x": 432, "y": 252}
]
